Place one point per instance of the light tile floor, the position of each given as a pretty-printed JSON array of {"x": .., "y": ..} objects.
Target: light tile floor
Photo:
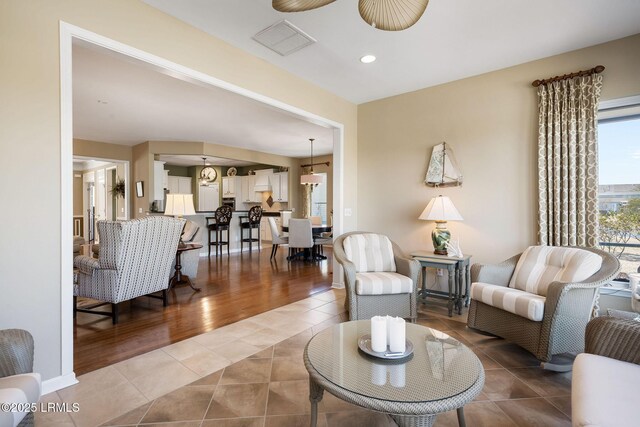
[{"x": 250, "y": 374}]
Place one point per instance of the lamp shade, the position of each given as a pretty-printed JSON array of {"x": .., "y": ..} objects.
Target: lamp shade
[
  {"x": 179, "y": 205},
  {"x": 441, "y": 209},
  {"x": 311, "y": 179}
]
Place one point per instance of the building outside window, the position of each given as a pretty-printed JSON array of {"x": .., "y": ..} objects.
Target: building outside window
[{"x": 619, "y": 185}]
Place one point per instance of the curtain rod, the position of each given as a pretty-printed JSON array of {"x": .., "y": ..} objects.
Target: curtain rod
[
  {"x": 315, "y": 164},
  {"x": 596, "y": 69}
]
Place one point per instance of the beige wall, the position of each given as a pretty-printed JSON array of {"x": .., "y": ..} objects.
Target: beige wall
[
  {"x": 491, "y": 123},
  {"x": 101, "y": 150},
  {"x": 78, "y": 194},
  {"x": 30, "y": 123}
]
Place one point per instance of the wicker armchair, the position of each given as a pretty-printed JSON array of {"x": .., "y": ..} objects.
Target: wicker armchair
[
  {"x": 605, "y": 378},
  {"x": 135, "y": 260},
  {"x": 363, "y": 306},
  {"x": 567, "y": 309},
  {"x": 18, "y": 383}
]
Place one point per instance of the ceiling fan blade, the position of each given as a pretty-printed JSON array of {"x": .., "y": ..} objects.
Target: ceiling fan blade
[
  {"x": 391, "y": 15},
  {"x": 298, "y": 5}
]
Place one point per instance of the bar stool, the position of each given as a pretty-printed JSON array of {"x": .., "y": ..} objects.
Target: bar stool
[
  {"x": 250, "y": 222},
  {"x": 222, "y": 219}
]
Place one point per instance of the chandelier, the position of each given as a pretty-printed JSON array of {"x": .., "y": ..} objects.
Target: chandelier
[{"x": 311, "y": 179}]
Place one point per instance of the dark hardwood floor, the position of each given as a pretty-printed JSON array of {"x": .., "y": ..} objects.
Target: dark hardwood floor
[{"x": 233, "y": 288}]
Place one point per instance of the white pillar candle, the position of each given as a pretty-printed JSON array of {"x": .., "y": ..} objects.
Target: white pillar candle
[
  {"x": 379, "y": 334},
  {"x": 397, "y": 335},
  {"x": 388, "y": 318},
  {"x": 397, "y": 375},
  {"x": 378, "y": 374}
]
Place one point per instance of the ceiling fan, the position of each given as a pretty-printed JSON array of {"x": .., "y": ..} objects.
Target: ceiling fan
[{"x": 388, "y": 15}]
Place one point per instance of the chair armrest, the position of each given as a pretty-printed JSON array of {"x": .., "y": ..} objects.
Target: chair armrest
[
  {"x": 615, "y": 338},
  {"x": 16, "y": 352},
  {"x": 408, "y": 267},
  {"x": 86, "y": 264},
  {"x": 495, "y": 274}
]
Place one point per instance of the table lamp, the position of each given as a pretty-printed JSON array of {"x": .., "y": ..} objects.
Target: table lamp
[
  {"x": 440, "y": 209},
  {"x": 179, "y": 205}
]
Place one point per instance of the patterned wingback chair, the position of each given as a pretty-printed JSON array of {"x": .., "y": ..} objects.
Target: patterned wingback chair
[
  {"x": 541, "y": 299},
  {"x": 135, "y": 259},
  {"x": 380, "y": 279}
]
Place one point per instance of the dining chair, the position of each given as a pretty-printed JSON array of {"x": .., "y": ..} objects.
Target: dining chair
[
  {"x": 276, "y": 238},
  {"x": 300, "y": 236}
]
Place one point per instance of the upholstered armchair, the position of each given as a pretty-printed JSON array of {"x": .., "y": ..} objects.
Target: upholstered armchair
[
  {"x": 135, "y": 259},
  {"x": 379, "y": 278},
  {"x": 541, "y": 299},
  {"x": 605, "y": 378},
  {"x": 18, "y": 383}
]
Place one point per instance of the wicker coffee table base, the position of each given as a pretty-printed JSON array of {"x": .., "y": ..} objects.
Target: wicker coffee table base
[{"x": 403, "y": 420}]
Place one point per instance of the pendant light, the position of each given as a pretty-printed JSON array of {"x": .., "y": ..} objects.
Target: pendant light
[
  {"x": 203, "y": 178},
  {"x": 311, "y": 179}
]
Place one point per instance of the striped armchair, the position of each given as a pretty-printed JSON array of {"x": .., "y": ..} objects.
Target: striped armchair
[
  {"x": 380, "y": 279},
  {"x": 135, "y": 260},
  {"x": 18, "y": 383},
  {"x": 541, "y": 299}
]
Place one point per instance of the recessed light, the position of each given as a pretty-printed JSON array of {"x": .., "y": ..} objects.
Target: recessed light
[{"x": 367, "y": 59}]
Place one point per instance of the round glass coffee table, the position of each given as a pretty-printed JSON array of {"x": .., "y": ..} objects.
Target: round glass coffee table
[{"x": 441, "y": 375}]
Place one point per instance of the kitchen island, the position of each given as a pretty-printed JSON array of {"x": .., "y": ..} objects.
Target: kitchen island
[{"x": 200, "y": 218}]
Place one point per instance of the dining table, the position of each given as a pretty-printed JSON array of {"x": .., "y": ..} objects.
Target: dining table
[{"x": 316, "y": 231}]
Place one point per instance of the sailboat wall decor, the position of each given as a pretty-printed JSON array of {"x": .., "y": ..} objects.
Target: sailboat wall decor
[{"x": 443, "y": 169}]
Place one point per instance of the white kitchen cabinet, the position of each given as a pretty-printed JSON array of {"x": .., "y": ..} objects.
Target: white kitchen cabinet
[
  {"x": 180, "y": 185},
  {"x": 265, "y": 229},
  {"x": 248, "y": 195},
  {"x": 208, "y": 197},
  {"x": 280, "y": 186},
  {"x": 229, "y": 186},
  {"x": 158, "y": 180}
]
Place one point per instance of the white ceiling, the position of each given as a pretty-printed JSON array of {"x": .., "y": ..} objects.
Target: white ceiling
[
  {"x": 454, "y": 39},
  {"x": 119, "y": 100}
]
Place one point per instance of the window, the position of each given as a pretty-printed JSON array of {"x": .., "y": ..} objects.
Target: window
[
  {"x": 619, "y": 185},
  {"x": 319, "y": 199}
]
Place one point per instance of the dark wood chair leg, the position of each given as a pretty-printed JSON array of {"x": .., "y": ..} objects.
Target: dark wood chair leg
[
  {"x": 209, "y": 243},
  {"x": 165, "y": 300},
  {"x": 114, "y": 313},
  {"x": 75, "y": 306}
]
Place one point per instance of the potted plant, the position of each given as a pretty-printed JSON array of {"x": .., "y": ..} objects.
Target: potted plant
[{"x": 118, "y": 188}]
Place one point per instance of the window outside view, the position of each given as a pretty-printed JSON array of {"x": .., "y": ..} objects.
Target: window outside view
[{"x": 619, "y": 191}]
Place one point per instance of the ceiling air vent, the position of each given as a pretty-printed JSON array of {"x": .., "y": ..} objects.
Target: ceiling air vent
[{"x": 283, "y": 38}]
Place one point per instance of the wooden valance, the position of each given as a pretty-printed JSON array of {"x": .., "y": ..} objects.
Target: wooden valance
[{"x": 596, "y": 69}]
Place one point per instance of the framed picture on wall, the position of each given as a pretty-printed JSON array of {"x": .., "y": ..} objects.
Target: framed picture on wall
[{"x": 139, "y": 189}]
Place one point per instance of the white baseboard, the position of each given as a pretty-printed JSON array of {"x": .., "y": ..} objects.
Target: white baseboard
[
  {"x": 58, "y": 383},
  {"x": 337, "y": 285}
]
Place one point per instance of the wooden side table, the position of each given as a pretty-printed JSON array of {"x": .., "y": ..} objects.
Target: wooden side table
[
  {"x": 459, "y": 278},
  {"x": 178, "y": 277}
]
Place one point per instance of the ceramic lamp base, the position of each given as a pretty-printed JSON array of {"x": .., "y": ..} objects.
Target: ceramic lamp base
[{"x": 440, "y": 236}]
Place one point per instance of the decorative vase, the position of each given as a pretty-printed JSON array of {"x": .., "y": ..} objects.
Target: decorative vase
[{"x": 440, "y": 236}]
